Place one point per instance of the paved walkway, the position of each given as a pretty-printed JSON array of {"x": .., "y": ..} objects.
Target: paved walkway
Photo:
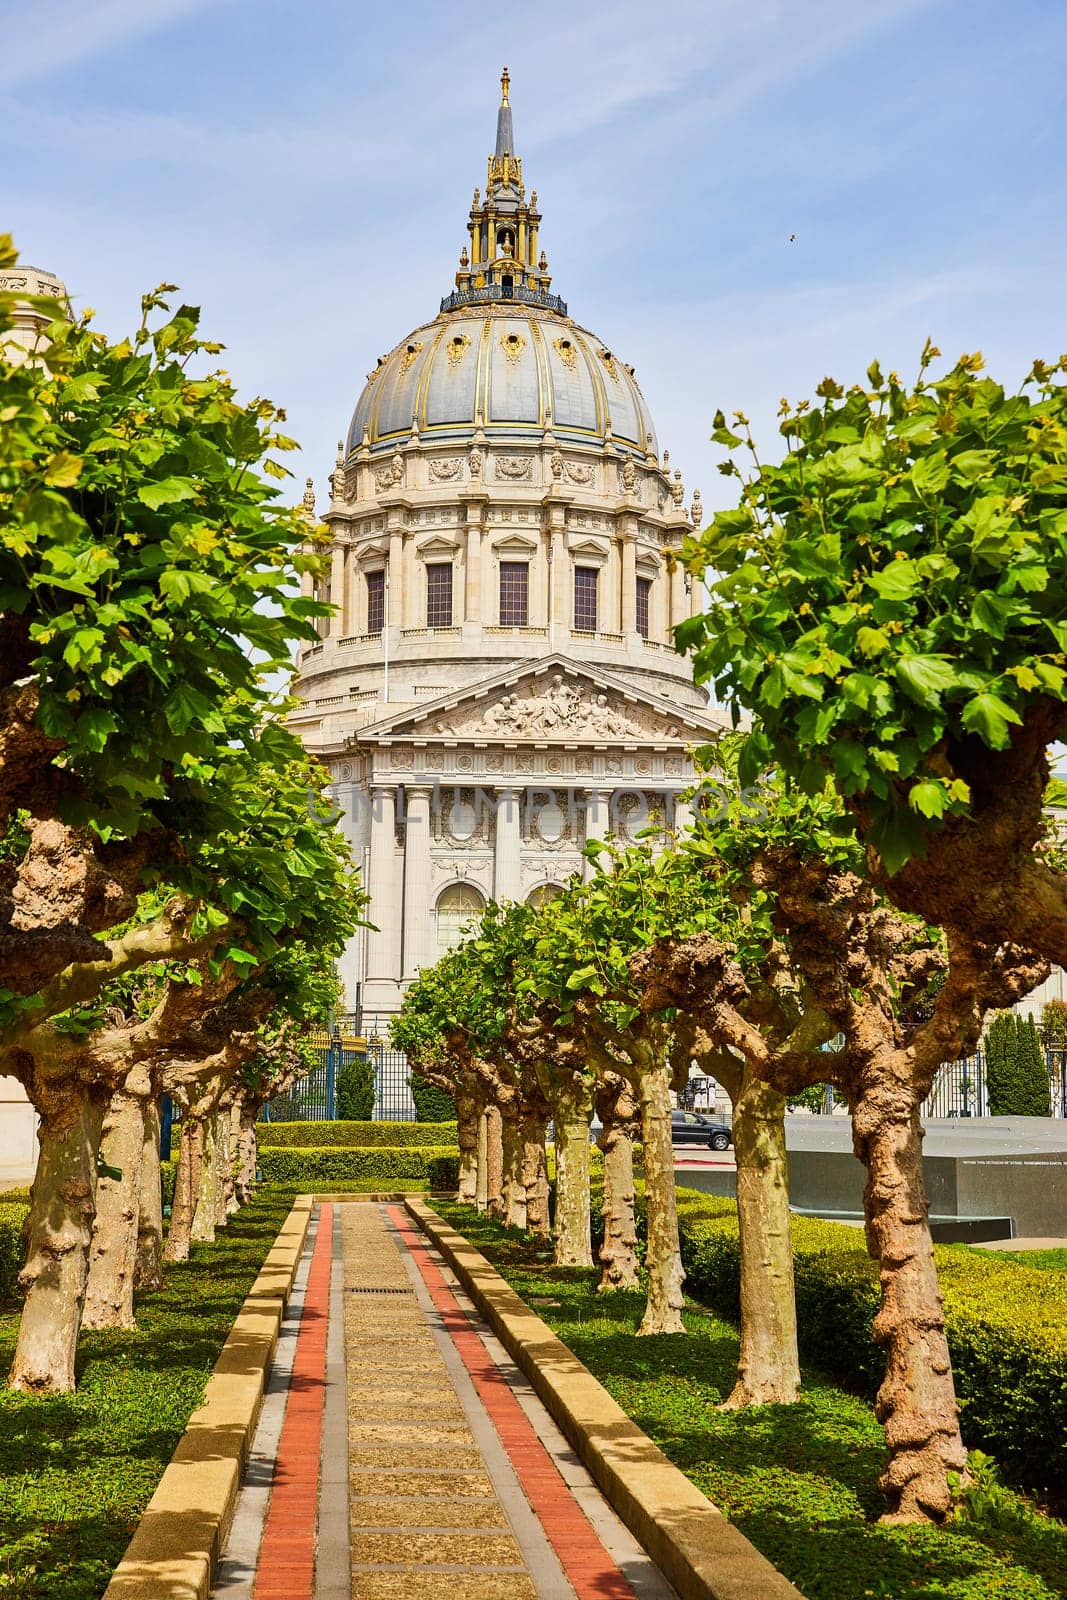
[{"x": 401, "y": 1456}]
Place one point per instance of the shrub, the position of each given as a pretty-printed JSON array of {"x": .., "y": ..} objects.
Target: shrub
[
  {"x": 13, "y": 1214},
  {"x": 1006, "y": 1325},
  {"x": 431, "y": 1104},
  {"x": 1016, "y": 1074},
  {"x": 318, "y": 1168},
  {"x": 352, "y": 1135},
  {"x": 355, "y": 1091},
  {"x": 443, "y": 1173},
  {"x": 1054, "y": 1021},
  {"x": 168, "y": 1172}
]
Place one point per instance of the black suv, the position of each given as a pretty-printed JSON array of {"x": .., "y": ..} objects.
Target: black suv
[{"x": 689, "y": 1127}]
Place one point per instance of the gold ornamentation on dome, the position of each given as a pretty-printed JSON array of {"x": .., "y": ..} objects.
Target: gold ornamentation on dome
[
  {"x": 609, "y": 361},
  {"x": 512, "y": 344},
  {"x": 457, "y": 348},
  {"x": 371, "y": 376},
  {"x": 407, "y": 360},
  {"x": 567, "y": 351}
]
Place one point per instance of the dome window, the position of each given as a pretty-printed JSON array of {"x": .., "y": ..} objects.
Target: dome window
[
  {"x": 407, "y": 360},
  {"x": 567, "y": 351}
]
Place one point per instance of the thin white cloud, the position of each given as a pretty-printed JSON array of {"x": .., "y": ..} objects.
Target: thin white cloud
[{"x": 39, "y": 41}]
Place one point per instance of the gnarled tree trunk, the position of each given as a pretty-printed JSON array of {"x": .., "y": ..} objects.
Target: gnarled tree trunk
[
  {"x": 467, "y": 1119},
  {"x": 113, "y": 1253},
  {"x": 514, "y": 1189},
  {"x": 224, "y": 1206},
  {"x": 494, "y": 1163},
  {"x": 768, "y": 1370},
  {"x": 186, "y": 1190},
  {"x": 917, "y": 1399},
  {"x": 663, "y": 1260},
  {"x": 248, "y": 1153},
  {"x": 481, "y": 1193},
  {"x": 618, "y": 1252},
  {"x": 148, "y": 1269},
  {"x": 203, "y": 1226},
  {"x": 535, "y": 1175},
  {"x": 572, "y": 1230},
  {"x": 62, "y": 1207}
]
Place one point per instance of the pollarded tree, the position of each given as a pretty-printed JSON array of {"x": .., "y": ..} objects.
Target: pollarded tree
[
  {"x": 145, "y": 598},
  {"x": 581, "y": 974},
  {"x": 283, "y": 875},
  {"x": 865, "y": 964},
  {"x": 421, "y": 1028},
  {"x": 719, "y": 961},
  {"x": 889, "y": 602}
]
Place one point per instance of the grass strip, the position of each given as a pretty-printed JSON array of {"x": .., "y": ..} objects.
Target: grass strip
[
  {"x": 799, "y": 1481},
  {"x": 76, "y": 1471}
]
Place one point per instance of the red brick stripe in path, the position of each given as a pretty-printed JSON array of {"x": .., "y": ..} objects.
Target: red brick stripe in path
[
  {"x": 591, "y": 1571},
  {"x": 286, "y": 1569}
]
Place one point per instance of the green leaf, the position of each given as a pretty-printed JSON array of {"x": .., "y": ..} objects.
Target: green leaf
[
  {"x": 928, "y": 798},
  {"x": 166, "y": 492},
  {"x": 926, "y": 678},
  {"x": 991, "y": 718},
  {"x": 64, "y": 470}
]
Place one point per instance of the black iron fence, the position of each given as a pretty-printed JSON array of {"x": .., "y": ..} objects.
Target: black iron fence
[{"x": 314, "y": 1097}]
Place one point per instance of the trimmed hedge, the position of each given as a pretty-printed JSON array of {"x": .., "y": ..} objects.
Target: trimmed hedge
[
  {"x": 353, "y": 1135},
  {"x": 443, "y": 1173},
  {"x": 431, "y": 1104},
  {"x": 355, "y": 1091},
  {"x": 1006, "y": 1325},
  {"x": 13, "y": 1214},
  {"x": 316, "y": 1168}
]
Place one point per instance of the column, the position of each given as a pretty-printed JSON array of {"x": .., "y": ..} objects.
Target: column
[
  {"x": 697, "y": 601},
  {"x": 339, "y": 619},
  {"x": 629, "y": 583},
  {"x": 560, "y": 598},
  {"x": 382, "y": 967},
  {"x": 411, "y": 614},
  {"x": 395, "y": 574},
  {"x": 683, "y": 817},
  {"x": 679, "y": 599},
  {"x": 417, "y": 918},
  {"x": 597, "y": 822},
  {"x": 472, "y": 607},
  {"x": 506, "y": 874}
]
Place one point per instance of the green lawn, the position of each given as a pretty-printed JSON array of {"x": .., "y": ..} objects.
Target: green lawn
[
  {"x": 1044, "y": 1260},
  {"x": 77, "y": 1471},
  {"x": 800, "y": 1481}
]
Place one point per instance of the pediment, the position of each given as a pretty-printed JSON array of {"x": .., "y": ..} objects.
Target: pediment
[{"x": 551, "y": 701}]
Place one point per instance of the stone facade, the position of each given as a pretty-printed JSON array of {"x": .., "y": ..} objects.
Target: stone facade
[{"x": 498, "y": 682}]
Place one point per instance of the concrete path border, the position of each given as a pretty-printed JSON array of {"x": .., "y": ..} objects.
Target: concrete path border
[
  {"x": 179, "y": 1537},
  {"x": 695, "y": 1547}
]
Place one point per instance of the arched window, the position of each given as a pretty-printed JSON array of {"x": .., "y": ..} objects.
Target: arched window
[
  {"x": 458, "y": 907},
  {"x": 542, "y": 893}
]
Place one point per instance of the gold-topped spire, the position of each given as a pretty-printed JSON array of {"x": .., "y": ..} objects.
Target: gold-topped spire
[{"x": 504, "y": 261}]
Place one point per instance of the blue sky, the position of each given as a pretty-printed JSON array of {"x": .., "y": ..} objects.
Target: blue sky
[{"x": 303, "y": 172}]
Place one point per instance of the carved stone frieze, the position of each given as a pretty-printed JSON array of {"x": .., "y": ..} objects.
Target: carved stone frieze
[
  {"x": 444, "y": 470},
  {"x": 514, "y": 468},
  {"x": 561, "y": 711},
  {"x": 580, "y": 471}
]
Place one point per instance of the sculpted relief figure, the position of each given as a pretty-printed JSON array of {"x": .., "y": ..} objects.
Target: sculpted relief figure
[{"x": 562, "y": 712}]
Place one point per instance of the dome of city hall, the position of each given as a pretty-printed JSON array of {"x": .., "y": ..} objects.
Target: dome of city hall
[
  {"x": 503, "y": 354},
  {"x": 517, "y": 370}
]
